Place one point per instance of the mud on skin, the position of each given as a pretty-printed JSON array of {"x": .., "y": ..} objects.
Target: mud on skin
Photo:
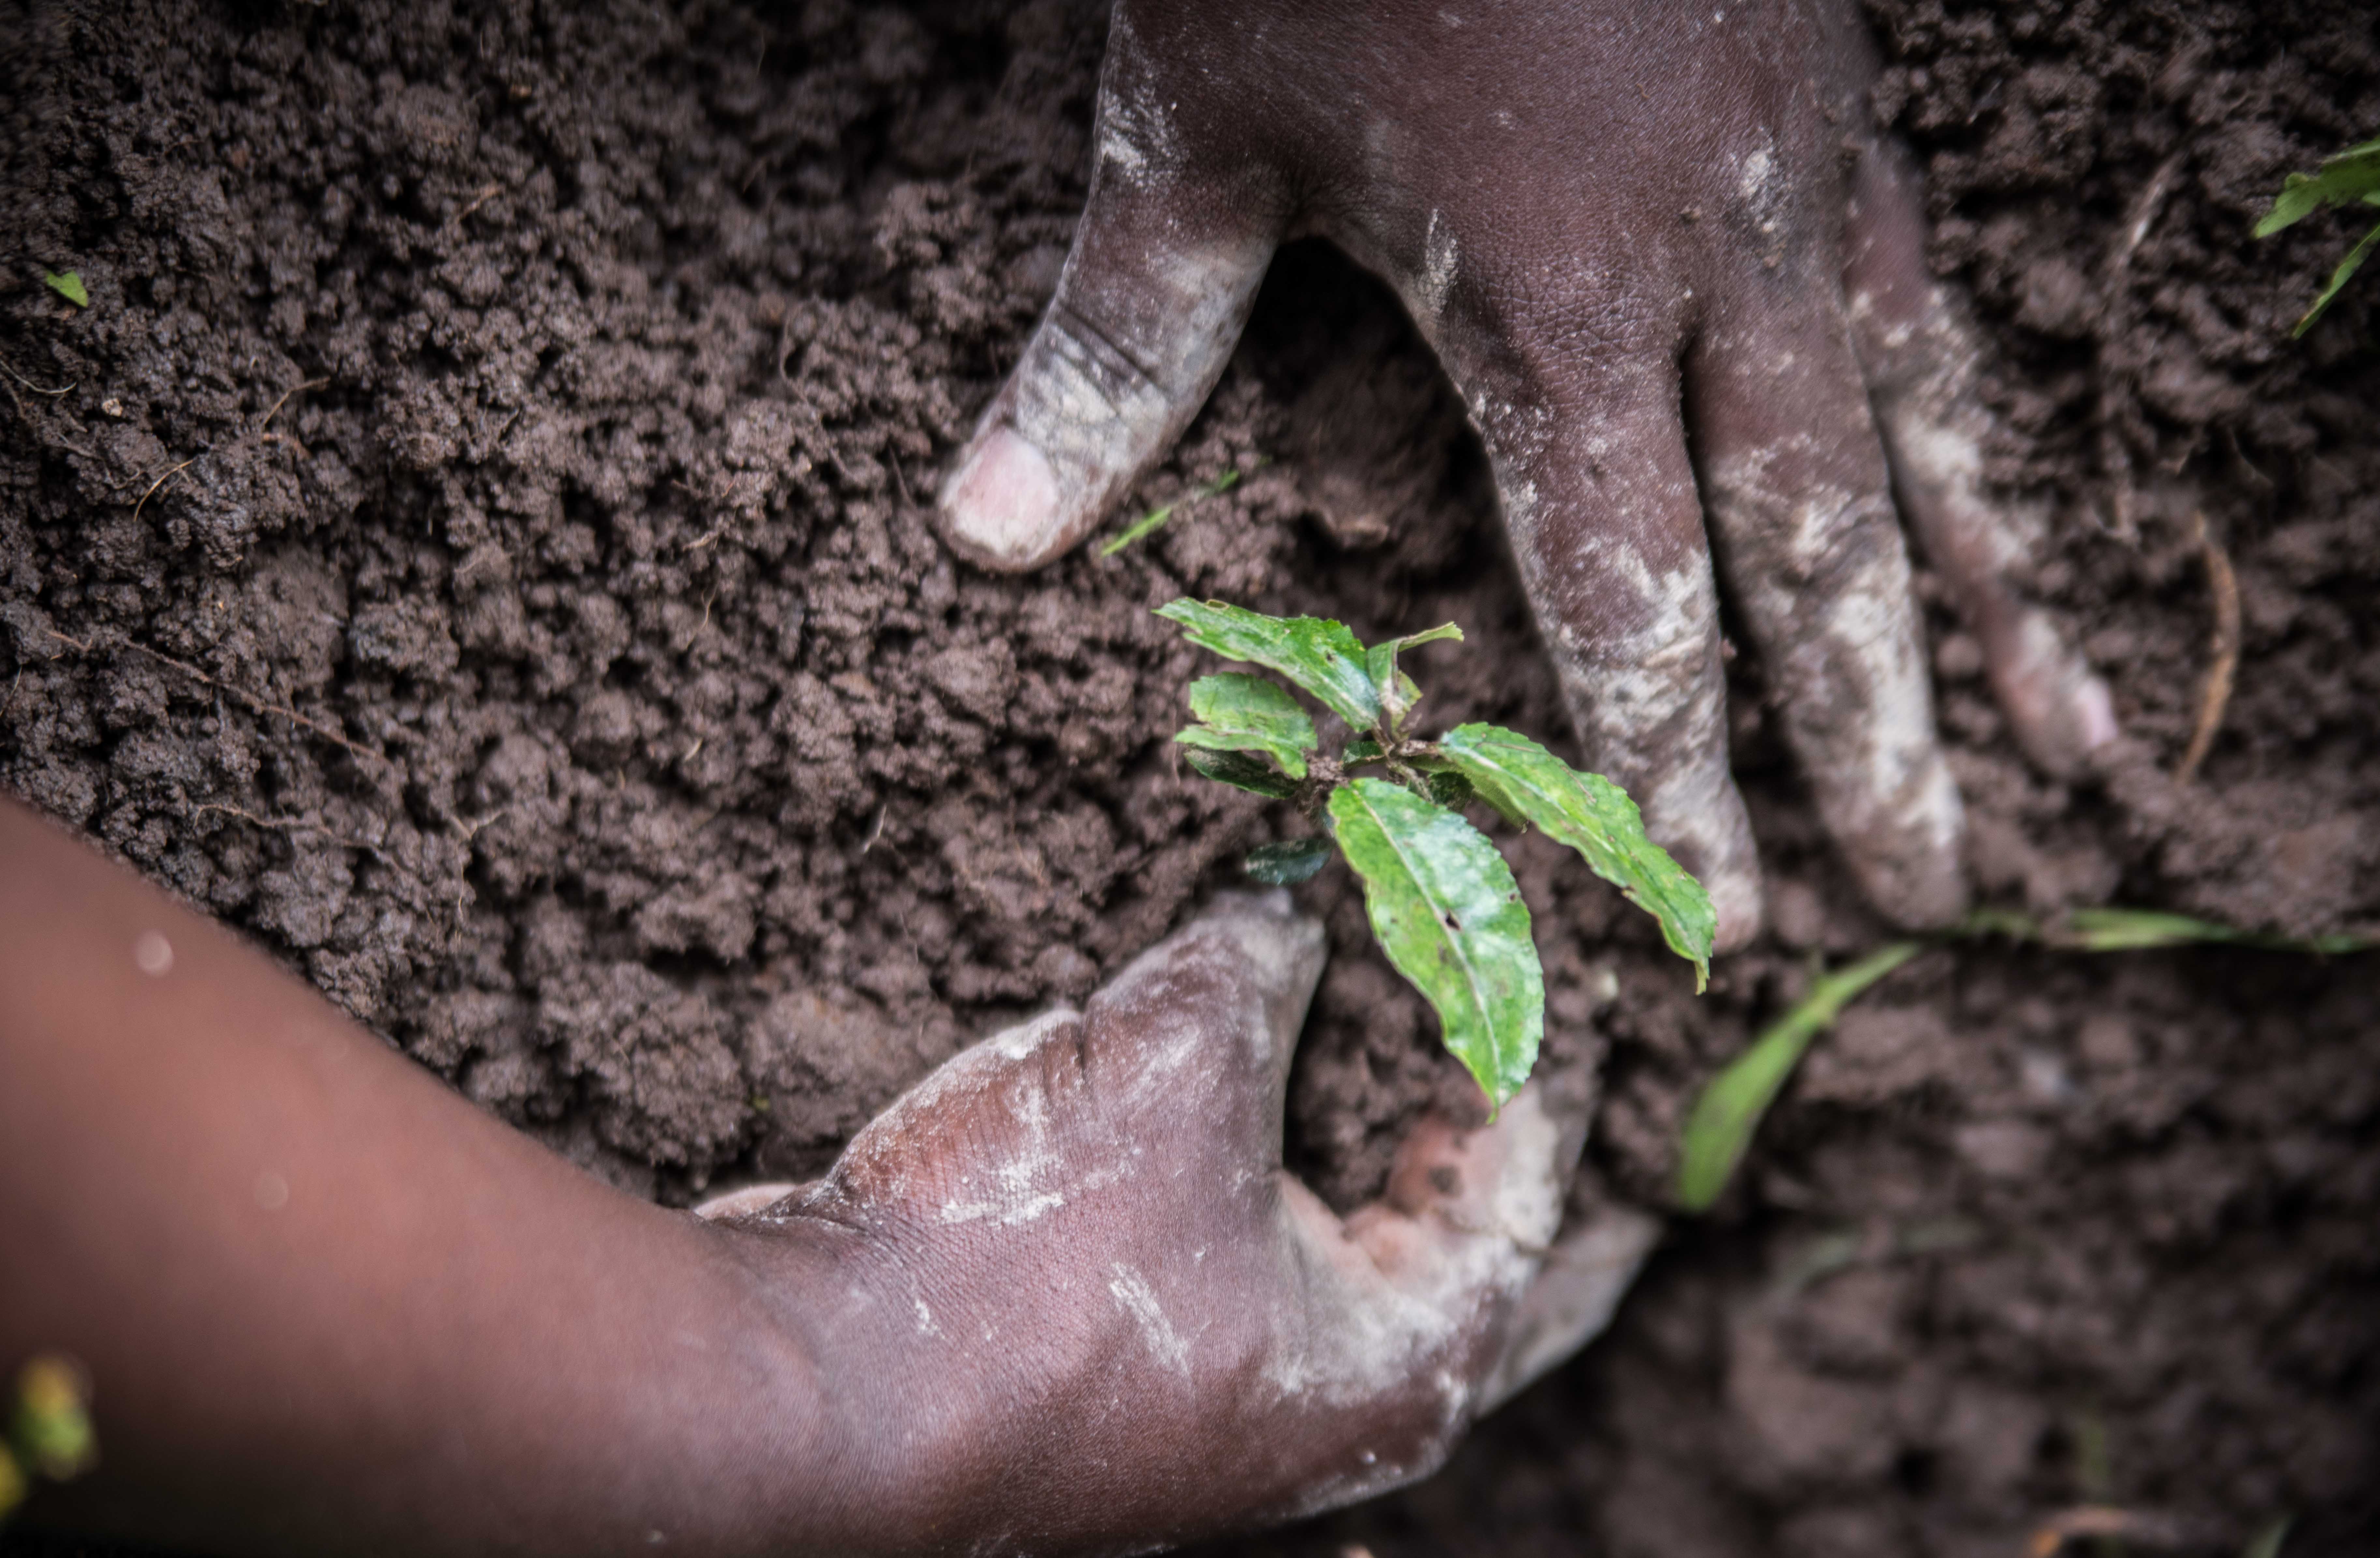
[{"x": 699, "y": 775}]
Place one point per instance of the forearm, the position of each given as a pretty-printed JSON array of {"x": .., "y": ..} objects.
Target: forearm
[{"x": 326, "y": 1303}]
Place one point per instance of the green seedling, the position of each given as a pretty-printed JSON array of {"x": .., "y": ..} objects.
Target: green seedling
[
  {"x": 1720, "y": 1127},
  {"x": 68, "y": 285},
  {"x": 1155, "y": 519},
  {"x": 2352, "y": 178},
  {"x": 1441, "y": 900}
]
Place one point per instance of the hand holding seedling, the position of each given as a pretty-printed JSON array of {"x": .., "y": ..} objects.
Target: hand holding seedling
[
  {"x": 1061, "y": 1298},
  {"x": 1680, "y": 283}
]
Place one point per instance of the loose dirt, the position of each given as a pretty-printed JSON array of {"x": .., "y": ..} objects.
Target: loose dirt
[{"x": 475, "y": 542}]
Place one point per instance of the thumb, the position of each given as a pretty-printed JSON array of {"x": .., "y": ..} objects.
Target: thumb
[{"x": 1164, "y": 269}]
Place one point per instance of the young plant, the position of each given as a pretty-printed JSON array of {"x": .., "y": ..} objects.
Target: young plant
[
  {"x": 2350, "y": 179},
  {"x": 1719, "y": 1128},
  {"x": 1441, "y": 899}
]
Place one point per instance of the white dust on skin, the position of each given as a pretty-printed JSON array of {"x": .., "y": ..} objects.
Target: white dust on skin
[
  {"x": 1149, "y": 304},
  {"x": 1935, "y": 427},
  {"x": 1134, "y": 1297},
  {"x": 1434, "y": 279},
  {"x": 900, "y": 1160},
  {"x": 1371, "y": 1335},
  {"x": 1393, "y": 1308},
  {"x": 1636, "y": 650},
  {"x": 1826, "y": 585}
]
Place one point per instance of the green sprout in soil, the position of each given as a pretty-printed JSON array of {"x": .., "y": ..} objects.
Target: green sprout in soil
[
  {"x": 1443, "y": 902},
  {"x": 47, "y": 1430},
  {"x": 2352, "y": 178},
  {"x": 1720, "y": 1127},
  {"x": 68, "y": 285},
  {"x": 1155, "y": 519}
]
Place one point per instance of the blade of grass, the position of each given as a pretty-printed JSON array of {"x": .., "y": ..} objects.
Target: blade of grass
[
  {"x": 1730, "y": 1108},
  {"x": 1154, "y": 520}
]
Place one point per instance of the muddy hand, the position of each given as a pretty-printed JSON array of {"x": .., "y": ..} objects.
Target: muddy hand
[
  {"x": 1074, "y": 1249},
  {"x": 1684, "y": 328}
]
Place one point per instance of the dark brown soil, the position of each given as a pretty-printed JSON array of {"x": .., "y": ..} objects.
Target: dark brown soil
[{"x": 473, "y": 541}]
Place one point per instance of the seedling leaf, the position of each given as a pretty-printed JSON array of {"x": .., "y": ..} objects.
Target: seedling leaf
[
  {"x": 2351, "y": 177},
  {"x": 2347, "y": 267},
  {"x": 1450, "y": 789},
  {"x": 1398, "y": 691},
  {"x": 1446, "y": 912},
  {"x": 1244, "y": 714},
  {"x": 1154, "y": 520},
  {"x": 1722, "y": 1121},
  {"x": 1289, "y": 862},
  {"x": 1316, "y": 653},
  {"x": 1431, "y": 636},
  {"x": 1595, "y": 817},
  {"x": 2266, "y": 1543},
  {"x": 2123, "y": 930},
  {"x": 1244, "y": 771},
  {"x": 2354, "y": 174},
  {"x": 68, "y": 285}
]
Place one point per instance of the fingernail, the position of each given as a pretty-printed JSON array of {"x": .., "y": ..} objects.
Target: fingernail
[
  {"x": 1000, "y": 508},
  {"x": 2095, "y": 712}
]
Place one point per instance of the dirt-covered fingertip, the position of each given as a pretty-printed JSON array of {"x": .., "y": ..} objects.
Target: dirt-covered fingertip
[
  {"x": 1503, "y": 1180},
  {"x": 2060, "y": 709},
  {"x": 749, "y": 1201},
  {"x": 1002, "y": 507},
  {"x": 1577, "y": 1291},
  {"x": 1281, "y": 947}
]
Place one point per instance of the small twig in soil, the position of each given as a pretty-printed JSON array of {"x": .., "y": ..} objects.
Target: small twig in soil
[
  {"x": 159, "y": 482},
  {"x": 303, "y": 825},
  {"x": 269, "y": 415},
  {"x": 482, "y": 198},
  {"x": 8, "y": 369},
  {"x": 2115, "y": 458},
  {"x": 308, "y": 826},
  {"x": 699, "y": 627},
  {"x": 2145, "y": 215},
  {"x": 2104, "y": 1520},
  {"x": 2215, "y": 693},
  {"x": 469, "y": 831},
  {"x": 255, "y": 703}
]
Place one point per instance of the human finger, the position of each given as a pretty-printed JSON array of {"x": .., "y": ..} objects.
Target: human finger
[
  {"x": 1205, "y": 1023},
  {"x": 1920, "y": 350},
  {"x": 747, "y": 1201},
  {"x": 1155, "y": 292},
  {"x": 1801, "y": 510},
  {"x": 1402, "y": 1306},
  {"x": 1577, "y": 1290},
  {"x": 1181, "y": 1059},
  {"x": 1600, "y": 500}
]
